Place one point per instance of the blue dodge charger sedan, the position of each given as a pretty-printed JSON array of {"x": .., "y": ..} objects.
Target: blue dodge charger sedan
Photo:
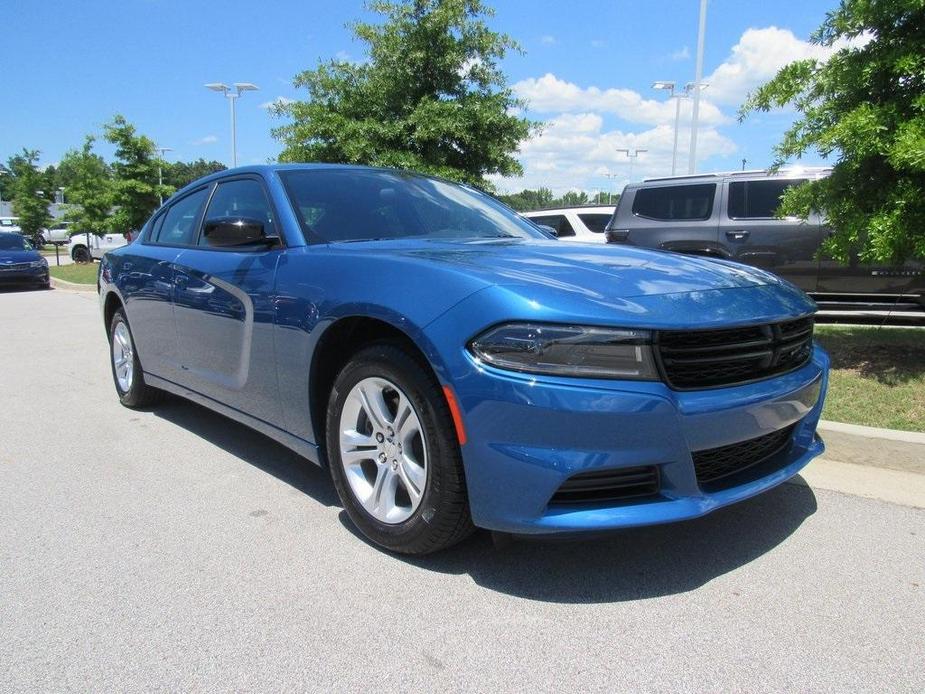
[{"x": 452, "y": 365}]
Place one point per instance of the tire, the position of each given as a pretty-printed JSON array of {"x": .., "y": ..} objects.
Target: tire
[
  {"x": 80, "y": 254},
  {"x": 439, "y": 516},
  {"x": 133, "y": 391},
  {"x": 40, "y": 242}
]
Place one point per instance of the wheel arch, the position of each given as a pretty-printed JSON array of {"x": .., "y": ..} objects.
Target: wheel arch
[{"x": 343, "y": 338}]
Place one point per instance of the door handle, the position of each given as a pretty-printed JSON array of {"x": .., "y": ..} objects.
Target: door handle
[
  {"x": 181, "y": 281},
  {"x": 737, "y": 235}
]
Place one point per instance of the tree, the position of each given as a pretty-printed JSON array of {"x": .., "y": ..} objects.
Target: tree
[
  {"x": 180, "y": 173},
  {"x": 431, "y": 97},
  {"x": 87, "y": 181},
  {"x": 135, "y": 187},
  {"x": 574, "y": 198},
  {"x": 865, "y": 107},
  {"x": 30, "y": 201}
]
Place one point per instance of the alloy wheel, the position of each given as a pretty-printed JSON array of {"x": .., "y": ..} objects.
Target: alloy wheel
[
  {"x": 382, "y": 450},
  {"x": 123, "y": 356}
]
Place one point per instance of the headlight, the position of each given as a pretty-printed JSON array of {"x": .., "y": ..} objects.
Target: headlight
[
  {"x": 568, "y": 350},
  {"x": 41, "y": 262}
]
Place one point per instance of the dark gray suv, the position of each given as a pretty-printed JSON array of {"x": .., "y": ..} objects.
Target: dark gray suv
[{"x": 731, "y": 216}]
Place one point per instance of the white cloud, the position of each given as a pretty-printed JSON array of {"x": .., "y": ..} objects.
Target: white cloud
[
  {"x": 683, "y": 53},
  {"x": 548, "y": 40},
  {"x": 207, "y": 140},
  {"x": 757, "y": 57},
  {"x": 278, "y": 101},
  {"x": 549, "y": 94},
  {"x": 575, "y": 151}
]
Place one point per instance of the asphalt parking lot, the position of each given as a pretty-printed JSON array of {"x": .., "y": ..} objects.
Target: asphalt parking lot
[{"x": 175, "y": 550}]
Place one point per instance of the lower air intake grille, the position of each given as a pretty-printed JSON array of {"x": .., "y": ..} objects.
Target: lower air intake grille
[
  {"x": 717, "y": 463},
  {"x": 608, "y": 485}
]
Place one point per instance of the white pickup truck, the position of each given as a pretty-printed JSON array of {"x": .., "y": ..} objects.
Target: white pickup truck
[{"x": 87, "y": 247}]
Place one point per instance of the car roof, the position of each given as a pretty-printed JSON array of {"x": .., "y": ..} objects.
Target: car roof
[
  {"x": 575, "y": 208},
  {"x": 264, "y": 169},
  {"x": 751, "y": 174}
]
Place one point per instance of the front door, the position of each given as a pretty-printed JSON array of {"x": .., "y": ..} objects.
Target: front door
[
  {"x": 752, "y": 234},
  {"x": 223, "y": 304}
]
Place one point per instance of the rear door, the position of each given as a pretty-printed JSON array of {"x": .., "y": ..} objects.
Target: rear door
[
  {"x": 224, "y": 308},
  {"x": 751, "y": 233},
  {"x": 681, "y": 217}
]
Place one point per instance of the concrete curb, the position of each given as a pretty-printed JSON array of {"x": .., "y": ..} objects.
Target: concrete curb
[
  {"x": 873, "y": 432},
  {"x": 73, "y": 286},
  {"x": 893, "y": 486}
]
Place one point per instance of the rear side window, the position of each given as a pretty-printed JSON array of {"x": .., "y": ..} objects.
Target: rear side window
[
  {"x": 557, "y": 222},
  {"x": 178, "y": 227},
  {"x": 675, "y": 203},
  {"x": 595, "y": 221},
  {"x": 757, "y": 199},
  {"x": 242, "y": 198}
]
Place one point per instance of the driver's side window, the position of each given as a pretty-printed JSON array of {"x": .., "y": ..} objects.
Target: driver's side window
[{"x": 243, "y": 199}]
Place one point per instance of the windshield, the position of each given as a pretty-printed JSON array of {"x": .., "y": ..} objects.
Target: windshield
[
  {"x": 362, "y": 205},
  {"x": 13, "y": 242}
]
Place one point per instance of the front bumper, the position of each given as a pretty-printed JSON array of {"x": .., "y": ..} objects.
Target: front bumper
[
  {"x": 527, "y": 435},
  {"x": 26, "y": 276}
]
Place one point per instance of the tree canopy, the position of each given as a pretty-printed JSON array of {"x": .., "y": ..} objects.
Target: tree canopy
[
  {"x": 431, "y": 97},
  {"x": 543, "y": 198},
  {"x": 135, "y": 187},
  {"x": 87, "y": 181},
  {"x": 865, "y": 108},
  {"x": 29, "y": 194}
]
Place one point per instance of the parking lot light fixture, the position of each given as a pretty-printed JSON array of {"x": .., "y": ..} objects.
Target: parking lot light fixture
[
  {"x": 677, "y": 96},
  {"x": 160, "y": 174},
  {"x": 232, "y": 96},
  {"x": 632, "y": 155}
]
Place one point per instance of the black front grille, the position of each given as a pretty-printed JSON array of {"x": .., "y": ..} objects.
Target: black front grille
[
  {"x": 15, "y": 266},
  {"x": 715, "y": 464},
  {"x": 709, "y": 358},
  {"x": 608, "y": 485}
]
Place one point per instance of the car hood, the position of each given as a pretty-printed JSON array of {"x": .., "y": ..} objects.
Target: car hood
[
  {"x": 600, "y": 271},
  {"x": 18, "y": 256}
]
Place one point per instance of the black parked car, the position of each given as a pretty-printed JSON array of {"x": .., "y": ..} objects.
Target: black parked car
[
  {"x": 20, "y": 263},
  {"x": 731, "y": 216}
]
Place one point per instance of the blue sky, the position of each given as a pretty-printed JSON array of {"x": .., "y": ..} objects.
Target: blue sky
[{"x": 67, "y": 67}]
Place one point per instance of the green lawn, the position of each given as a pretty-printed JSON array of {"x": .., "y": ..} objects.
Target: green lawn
[
  {"x": 878, "y": 376},
  {"x": 81, "y": 273}
]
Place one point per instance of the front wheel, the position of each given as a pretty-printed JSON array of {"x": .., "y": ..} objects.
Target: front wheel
[
  {"x": 393, "y": 453},
  {"x": 81, "y": 255},
  {"x": 126, "y": 369}
]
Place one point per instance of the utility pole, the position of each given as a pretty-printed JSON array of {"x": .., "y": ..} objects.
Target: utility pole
[
  {"x": 695, "y": 114},
  {"x": 677, "y": 96}
]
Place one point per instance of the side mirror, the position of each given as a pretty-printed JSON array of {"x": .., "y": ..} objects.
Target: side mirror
[
  {"x": 552, "y": 232},
  {"x": 232, "y": 231}
]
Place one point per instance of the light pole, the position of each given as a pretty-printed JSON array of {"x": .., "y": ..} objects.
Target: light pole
[
  {"x": 677, "y": 96},
  {"x": 232, "y": 96},
  {"x": 698, "y": 79},
  {"x": 611, "y": 176},
  {"x": 160, "y": 172},
  {"x": 632, "y": 156}
]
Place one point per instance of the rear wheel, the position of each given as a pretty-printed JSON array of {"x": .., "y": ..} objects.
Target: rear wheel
[
  {"x": 81, "y": 255},
  {"x": 127, "y": 375},
  {"x": 393, "y": 453}
]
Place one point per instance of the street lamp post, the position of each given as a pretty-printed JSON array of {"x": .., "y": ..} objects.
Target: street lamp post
[
  {"x": 677, "y": 96},
  {"x": 232, "y": 96},
  {"x": 698, "y": 86},
  {"x": 160, "y": 173},
  {"x": 611, "y": 176},
  {"x": 632, "y": 156}
]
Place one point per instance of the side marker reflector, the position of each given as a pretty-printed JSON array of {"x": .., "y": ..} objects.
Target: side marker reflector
[{"x": 456, "y": 414}]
